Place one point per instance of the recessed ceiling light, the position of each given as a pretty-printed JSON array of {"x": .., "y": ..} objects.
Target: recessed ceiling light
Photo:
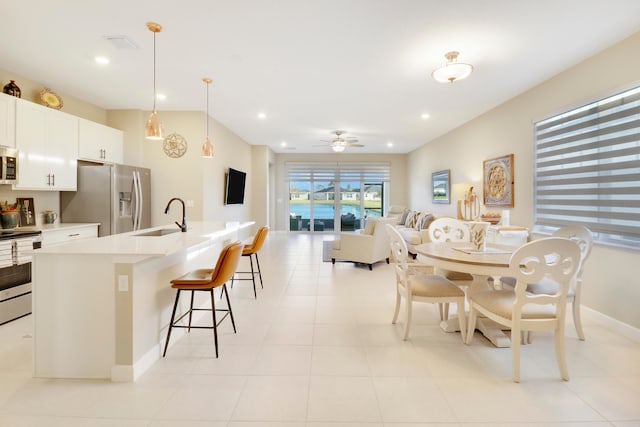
[
  {"x": 389, "y": 144},
  {"x": 425, "y": 116},
  {"x": 101, "y": 60},
  {"x": 283, "y": 144},
  {"x": 161, "y": 96},
  {"x": 262, "y": 116}
]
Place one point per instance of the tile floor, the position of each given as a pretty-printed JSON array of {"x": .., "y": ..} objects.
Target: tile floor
[{"x": 317, "y": 349}]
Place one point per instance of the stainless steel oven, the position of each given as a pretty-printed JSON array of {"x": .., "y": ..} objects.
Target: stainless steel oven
[{"x": 16, "y": 249}]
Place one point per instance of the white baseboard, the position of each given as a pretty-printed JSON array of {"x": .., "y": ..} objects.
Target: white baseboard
[{"x": 610, "y": 323}]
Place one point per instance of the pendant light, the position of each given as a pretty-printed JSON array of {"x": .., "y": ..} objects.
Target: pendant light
[
  {"x": 154, "y": 130},
  {"x": 207, "y": 147}
]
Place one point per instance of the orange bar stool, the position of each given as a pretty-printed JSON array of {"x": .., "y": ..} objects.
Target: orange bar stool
[
  {"x": 252, "y": 250},
  {"x": 206, "y": 280}
]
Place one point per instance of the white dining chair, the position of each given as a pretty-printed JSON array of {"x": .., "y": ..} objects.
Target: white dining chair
[
  {"x": 451, "y": 230},
  {"x": 415, "y": 282},
  {"x": 583, "y": 237},
  {"x": 553, "y": 258}
]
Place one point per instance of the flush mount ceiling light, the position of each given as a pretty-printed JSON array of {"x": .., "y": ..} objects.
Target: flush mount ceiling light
[
  {"x": 452, "y": 70},
  {"x": 207, "y": 147},
  {"x": 154, "y": 130}
]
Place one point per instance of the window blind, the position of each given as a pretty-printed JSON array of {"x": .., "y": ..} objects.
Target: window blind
[
  {"x": 338, "y": 171},
  {"x": 587, "y": 169}
]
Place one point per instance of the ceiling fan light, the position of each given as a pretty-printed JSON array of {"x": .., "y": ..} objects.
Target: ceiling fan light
[
  {"x": 154, "y": 130},
  {"x": 452, "y": 70},
  {"x": 338, "y": 148}
]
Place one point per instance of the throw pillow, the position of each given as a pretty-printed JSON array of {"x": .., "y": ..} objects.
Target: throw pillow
[
  {"x": 424, "y": 221},
  {"x": 411, "y": 222},
  {"x": 371, "y": 225},
  {"x": 407, "y": 218},
  {"x": 403, "y": 216}
]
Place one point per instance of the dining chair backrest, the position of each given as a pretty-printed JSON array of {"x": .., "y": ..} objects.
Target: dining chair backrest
[
  {"x": 258, "y": 240},
  {"x": 552, "y": 258},
  {"x": 227, "y": 263},
  {"x": 582, "y": 236},
  {"x": 449, "y": 230},
  {"x": 399, "y": 252}
]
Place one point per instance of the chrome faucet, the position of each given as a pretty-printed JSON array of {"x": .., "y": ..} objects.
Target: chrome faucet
[{"x": 183, "y": 226}]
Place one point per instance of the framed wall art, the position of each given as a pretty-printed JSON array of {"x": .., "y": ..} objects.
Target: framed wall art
[
  {"x": 498, "y": 186},
  {"x": 441, "y": 186}
]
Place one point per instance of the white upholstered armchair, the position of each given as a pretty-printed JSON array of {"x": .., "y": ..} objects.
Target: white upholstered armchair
[{"x": 366, "y": 246}]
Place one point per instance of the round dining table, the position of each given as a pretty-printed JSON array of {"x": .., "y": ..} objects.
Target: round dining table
[{"x": 492, "y": 262}]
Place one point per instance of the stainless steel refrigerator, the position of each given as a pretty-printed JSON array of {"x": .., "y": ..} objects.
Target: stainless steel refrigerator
[{"x": 116, "y": 196}]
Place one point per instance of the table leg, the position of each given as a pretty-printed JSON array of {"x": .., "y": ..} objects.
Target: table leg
[{"x": 490, "y": 329}]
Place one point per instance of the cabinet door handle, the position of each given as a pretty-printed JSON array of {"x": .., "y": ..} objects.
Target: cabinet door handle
[
  {"x": 53, "y": 179},
  {"x": 74, "y": 235},
  {"x": 48, "y": 179}
]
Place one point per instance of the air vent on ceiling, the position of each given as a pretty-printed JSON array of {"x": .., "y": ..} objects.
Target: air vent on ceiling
[{"x": 121, "y": 42}]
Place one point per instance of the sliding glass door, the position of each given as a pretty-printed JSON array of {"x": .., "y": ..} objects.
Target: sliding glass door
[{"x": 333, "y": 196}]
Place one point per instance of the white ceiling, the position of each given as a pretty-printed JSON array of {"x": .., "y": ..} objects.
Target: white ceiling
[{"x": 312, "y": 66}]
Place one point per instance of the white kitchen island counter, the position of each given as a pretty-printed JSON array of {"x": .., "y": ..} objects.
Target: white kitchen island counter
[{"x": 101, "y": 306}]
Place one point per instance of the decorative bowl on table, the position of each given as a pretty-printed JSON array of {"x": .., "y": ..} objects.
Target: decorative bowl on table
[{"x": 493, "y": 218}]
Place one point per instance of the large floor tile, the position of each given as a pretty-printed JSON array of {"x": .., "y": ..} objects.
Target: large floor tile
[{"x": 343, "y": 399}]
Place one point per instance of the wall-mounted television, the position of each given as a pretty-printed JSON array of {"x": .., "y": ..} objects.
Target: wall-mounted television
[{"x": 234, "y": 193}]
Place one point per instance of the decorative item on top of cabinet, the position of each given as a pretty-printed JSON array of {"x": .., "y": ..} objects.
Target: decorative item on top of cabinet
[
  {"x": 12, "y": 89},
  {"x": 174, "y": 145},
  {"x": 51, "y": 99}
]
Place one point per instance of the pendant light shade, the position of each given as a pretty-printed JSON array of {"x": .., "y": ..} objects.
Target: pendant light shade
[
  {"x": 207, "y": 147},
  {"x": 154, "y": 130},
  {"x": 452, "y": 70}
]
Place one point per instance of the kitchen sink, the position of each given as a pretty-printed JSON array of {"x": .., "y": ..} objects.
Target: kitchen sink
[{"x": 157, "y": 233}]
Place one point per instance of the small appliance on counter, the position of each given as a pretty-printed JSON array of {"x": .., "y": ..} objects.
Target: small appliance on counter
[{"x": 116, "y": 196}]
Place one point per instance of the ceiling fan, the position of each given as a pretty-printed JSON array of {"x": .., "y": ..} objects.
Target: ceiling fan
[{"x": 340, "y": 142}]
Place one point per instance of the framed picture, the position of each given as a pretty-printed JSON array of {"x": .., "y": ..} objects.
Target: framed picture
[
  {"x": 27, "y": 211},
  {"x": 441, "y": 186},
  {"x": 498, "y": 187}
]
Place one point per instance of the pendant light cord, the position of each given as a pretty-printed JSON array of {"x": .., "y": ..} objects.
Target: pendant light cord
[
  {"x": 154, "y": 71},
  {"x": 207, "y": 118}
]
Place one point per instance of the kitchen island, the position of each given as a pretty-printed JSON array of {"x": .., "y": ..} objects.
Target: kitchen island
[{"x": 102, "y": 305}]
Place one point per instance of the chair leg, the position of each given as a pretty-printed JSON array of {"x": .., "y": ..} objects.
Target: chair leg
[
  {"x": 407, "y": 325},
  {"x": 253, "y": 277},
  {"x": 446, "y": 311},
  {"x": 370, "y": 267},
  {"x": 515, "y": 351},
  {"x": 215, "y": 323},
  {"x": 441, "y": 310},
  {"x": 226, "y": 292},
  {"x": 577, "y": 321},
  {"x": 173, "y": 316},
  {"x": 462, "y": 319},
  {"x": 397, "y": 310},
  {"x": 560, "y": 355},
  {"x": 190, "y": 311},
  {"x": 259, "y": 272},
  {"x": 387, "y": 260}
]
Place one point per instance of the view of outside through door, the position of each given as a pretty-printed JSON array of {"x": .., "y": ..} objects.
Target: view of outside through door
[{"x": 313, "y": 205}]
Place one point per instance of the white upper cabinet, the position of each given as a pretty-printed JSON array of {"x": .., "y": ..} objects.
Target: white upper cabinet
[
  {"x": 7, "y": 120},
  {"x": 47, "y": 143},
  {"x": 99, "y": 143}
]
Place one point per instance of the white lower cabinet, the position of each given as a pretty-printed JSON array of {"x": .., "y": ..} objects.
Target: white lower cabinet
[
  {"x": 47, "y": 143},
  {"x": 67, "y": 233}
]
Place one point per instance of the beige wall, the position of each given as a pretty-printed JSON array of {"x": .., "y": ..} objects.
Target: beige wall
[
  {"x": 397, "y": 194},
  {"x": 610, "y": 282},
  {"x": 31, "y": 92}
]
